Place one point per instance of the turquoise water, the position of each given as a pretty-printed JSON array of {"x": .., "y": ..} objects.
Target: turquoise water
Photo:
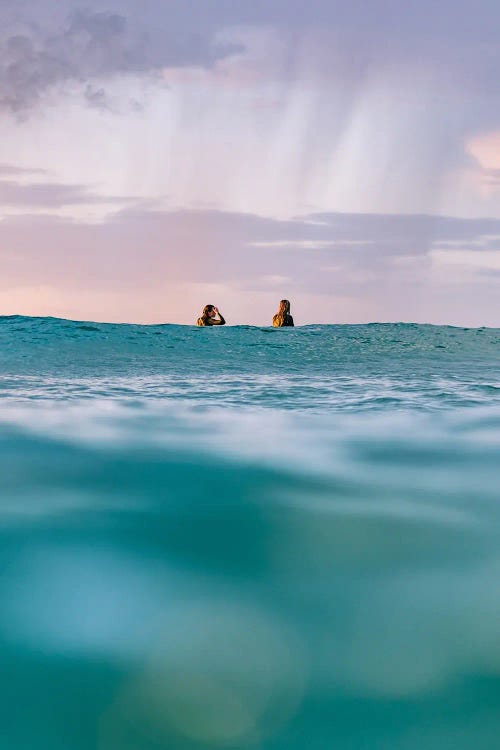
[{"x": 249, "y": 537}]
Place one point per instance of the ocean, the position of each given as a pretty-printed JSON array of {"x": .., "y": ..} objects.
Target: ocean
[{"x": 243, "y": 537}]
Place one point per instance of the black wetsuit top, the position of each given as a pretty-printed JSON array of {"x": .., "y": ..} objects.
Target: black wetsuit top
[
  {"x": 288, "y": 321},
  {"x": 211, "y": 321}
]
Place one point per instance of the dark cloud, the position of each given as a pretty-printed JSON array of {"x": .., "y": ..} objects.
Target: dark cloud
[
  {"x": 50, "y": 195},
  {"x": 455, "y": 40},
  {"x": 91, "y": 45},
  {"x": 97, "y": 98},
  {"x": 10, "y": 170},
  {"x": 398, "y": 230},
  {"x": 45, "y": 45},
  {"x": 459, "y": 18},
  {"x": 143, "y": 247}
]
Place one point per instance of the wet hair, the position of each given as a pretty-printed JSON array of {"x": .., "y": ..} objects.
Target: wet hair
[
  {"x": 283, "y": 312},
  {"x": 205, "y": 315}
]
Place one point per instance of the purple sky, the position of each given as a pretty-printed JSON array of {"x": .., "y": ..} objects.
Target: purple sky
[{"x": 345, "y": 155}]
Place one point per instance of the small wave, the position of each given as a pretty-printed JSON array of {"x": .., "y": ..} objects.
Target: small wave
[{"x": 314, "y": 367}]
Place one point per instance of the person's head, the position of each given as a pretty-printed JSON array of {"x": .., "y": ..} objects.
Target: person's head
[
  {"x": 208, "y": 312},
  {"x": 284, "y": 308}
]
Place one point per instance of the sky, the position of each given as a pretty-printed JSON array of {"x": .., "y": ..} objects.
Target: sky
[{"x": 160, "y": 155}]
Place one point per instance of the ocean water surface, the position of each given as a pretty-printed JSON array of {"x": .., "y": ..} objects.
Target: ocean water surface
[{"x": 242, "y": 537}]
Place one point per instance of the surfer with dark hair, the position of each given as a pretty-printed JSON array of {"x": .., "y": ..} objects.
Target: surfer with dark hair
[
  {"x": 211, "y": 317},
  {"x": 283, "y": 317}
]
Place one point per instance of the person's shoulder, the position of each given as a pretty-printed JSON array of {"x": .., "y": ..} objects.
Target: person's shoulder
[
  {"x": 200, "y": 322},
  {"x": 290, "y": 320}
]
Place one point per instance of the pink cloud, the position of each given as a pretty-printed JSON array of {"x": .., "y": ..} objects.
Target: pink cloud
[{"x": 164, "y": 266}]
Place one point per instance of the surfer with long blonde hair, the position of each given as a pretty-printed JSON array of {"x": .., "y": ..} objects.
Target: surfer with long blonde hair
[{"x": 283, "y": 317}]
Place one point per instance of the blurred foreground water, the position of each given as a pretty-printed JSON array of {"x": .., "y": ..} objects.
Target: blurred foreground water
[{"x": 249, "y": 538}]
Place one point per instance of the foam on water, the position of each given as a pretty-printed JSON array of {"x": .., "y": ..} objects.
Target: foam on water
[{"x": 249, "y": 538}]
